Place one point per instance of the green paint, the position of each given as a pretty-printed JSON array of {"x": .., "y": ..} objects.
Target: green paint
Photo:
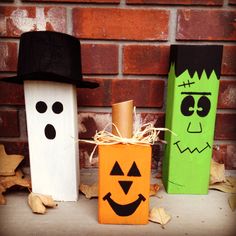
[{"x": 190, "y": 113}]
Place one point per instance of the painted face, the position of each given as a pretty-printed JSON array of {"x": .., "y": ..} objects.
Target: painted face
[
  {"x": 195, "y": 116},
  {"x": 193, "y": 120},
  {"x": 123, "y": 183}
]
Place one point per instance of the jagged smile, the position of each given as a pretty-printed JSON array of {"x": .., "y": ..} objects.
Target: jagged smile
[
  {"x": 124, "y": 210},
  {"x": 193, "y": 150}
]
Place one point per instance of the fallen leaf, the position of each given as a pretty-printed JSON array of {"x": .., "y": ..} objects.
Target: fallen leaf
[
  {"x": 89, "y": 190},
  {"x": 8, "y": 181},
  {"x": 154, "y": 189},
  {"x": 217, "y": 173},
  {"x": 159, "y": 215},
  {"x": 39, "y": 202},
  {"x": 8, "y": 163},
  {"x": 229, "y": 186},
  {"x": 232, "y": 202},
  {"x": 36, "y": 204}
]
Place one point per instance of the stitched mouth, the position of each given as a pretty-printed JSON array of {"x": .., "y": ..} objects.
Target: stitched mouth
[
  {"x": 193, "y": 150},
  {"x": 124, "y": 210}
]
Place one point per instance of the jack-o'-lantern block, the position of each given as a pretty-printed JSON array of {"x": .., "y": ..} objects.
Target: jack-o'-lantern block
[
  {"x": 124, "y": 174},
  {"x": 124, "y": 182}
]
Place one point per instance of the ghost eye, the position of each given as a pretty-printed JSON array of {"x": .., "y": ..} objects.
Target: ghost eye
[
  {"x": 41, "y": 107},
  {"x": 57, "y": 107},
  {"x": 134, "y": 171},
  {"x": 116, "y": 170},
  {"x": 187, "y": 106},
  {"x": 204, "y": 106}
]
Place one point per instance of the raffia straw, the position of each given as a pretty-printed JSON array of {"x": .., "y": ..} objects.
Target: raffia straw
[{"x": 147, "y": 134}]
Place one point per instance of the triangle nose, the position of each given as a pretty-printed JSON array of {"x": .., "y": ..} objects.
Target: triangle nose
[{"x": 125, "y": 185}]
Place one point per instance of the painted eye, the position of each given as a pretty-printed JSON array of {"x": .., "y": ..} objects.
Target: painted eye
[
  {"x": 57, "y": 107},
  {"x": 187, "y": 106},
  {"x": 116, "y": 170},
  {"x": 134, "y": 171},
  {"x": 204, "y": 106},
  {"x": 41, "y": 107}
]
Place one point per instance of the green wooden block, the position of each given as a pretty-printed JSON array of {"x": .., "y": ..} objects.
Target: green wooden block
[{"x": 192, "y": 94}]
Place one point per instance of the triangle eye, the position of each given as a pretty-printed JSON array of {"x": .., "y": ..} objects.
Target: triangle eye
[
  {"x": 134, "y": 171},
  {"x": 116, "y": 170}
]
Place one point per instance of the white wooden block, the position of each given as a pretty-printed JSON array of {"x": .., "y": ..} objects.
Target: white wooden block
[{"x": 51, "y": 112}]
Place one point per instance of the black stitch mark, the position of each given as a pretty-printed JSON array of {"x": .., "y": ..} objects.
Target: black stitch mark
[
  {"x": 191, "y": 151},
  {"x": 185, "y": 84}
]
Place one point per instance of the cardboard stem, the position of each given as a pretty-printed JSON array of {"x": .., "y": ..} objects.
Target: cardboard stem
[{"x": 122, "y": 117}]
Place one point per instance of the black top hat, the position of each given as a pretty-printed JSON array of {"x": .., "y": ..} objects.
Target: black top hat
[{"x": 50, "y": 56}]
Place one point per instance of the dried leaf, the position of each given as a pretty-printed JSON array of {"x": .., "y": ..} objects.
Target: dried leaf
[
  {"x": 8, "y": 163},
  {"x": 39, "y": 202},
  {"x": 47, "y": 200},
  {"x": 89, "y": 190},
  {"x": 232, "y": 202},
  {"x": 159, "y": 215},
  {"x": 217, "y": 173},
  {"x": 154, "y": 189},
  {"x": 9, "y": 181},
  {"x": 229, "y": 186},
  {"x": 36, "y": 204}
]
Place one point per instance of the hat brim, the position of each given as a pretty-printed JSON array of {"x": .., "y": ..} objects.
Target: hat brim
[{"x": 45, "y": 76}]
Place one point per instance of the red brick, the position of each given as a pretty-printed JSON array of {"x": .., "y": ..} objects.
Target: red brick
[
  {"x": 229, "y": 61},
  {"x": 177, "y": 2},
  {"x": 227, "y": 94},
  {"x": 98, "y": 97},
  {"x": 9, "y": 124},
  {"x": 142, "y": 59},
  {"x": 225, "y": 154},
  {"x": 99, "y": 59},
  {"x": 76, "y": 1},
  {"x": 225, "y": 126},
  {"x": 232, "y": 2},
  {"x": 8, "y": 59},
  {"x": 16, "y": 20},
  {"x": 145, "y": 93},
  {"x": 121, "y": 24},
  {"x": 206, "y": 25},
  {"x": 11, "y": 94}
]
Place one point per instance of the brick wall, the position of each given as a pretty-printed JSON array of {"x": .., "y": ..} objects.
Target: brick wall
[{"x": 125, "y": 47}]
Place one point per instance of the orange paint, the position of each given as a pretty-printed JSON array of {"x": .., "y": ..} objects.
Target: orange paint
[{"x": 124, "y": 182}]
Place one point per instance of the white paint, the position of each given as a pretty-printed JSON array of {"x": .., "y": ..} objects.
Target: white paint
[
  {"x": 54, "y": 162},
  {"x": 55, "y": 17}
]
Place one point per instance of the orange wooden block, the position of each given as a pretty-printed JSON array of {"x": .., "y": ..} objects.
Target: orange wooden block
[{"x": 124, "y": 182}]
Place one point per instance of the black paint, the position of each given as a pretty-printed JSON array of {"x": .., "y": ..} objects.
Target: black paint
[
  {"x": 204, "y": 106},
  {"x": 196, "y": 58},
  {"x": 50, "y": 131},
  {"x": 116, "y": 170},
  {"x": 125, "y": 185},
  {"x": 57, "y": 107},
  {"x": 187, "y": 106},
  {"x": 41, "y": 107},
  {"x": 124, "y": 210},
  {"x": 134, "y": 171}
]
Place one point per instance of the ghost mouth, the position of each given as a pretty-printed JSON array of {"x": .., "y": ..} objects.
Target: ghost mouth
[
  {"x": 193, "y": 150},
  {"x": 124, "y": 210}
]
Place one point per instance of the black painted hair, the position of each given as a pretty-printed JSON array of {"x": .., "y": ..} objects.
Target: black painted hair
[{"x": 196, "y": 58}]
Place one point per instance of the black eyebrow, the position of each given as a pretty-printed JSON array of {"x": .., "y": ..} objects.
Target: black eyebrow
[{"x": 197, "y": 93}]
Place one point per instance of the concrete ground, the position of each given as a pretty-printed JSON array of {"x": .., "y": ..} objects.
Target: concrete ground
[{"x": 191, "y": 215}]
